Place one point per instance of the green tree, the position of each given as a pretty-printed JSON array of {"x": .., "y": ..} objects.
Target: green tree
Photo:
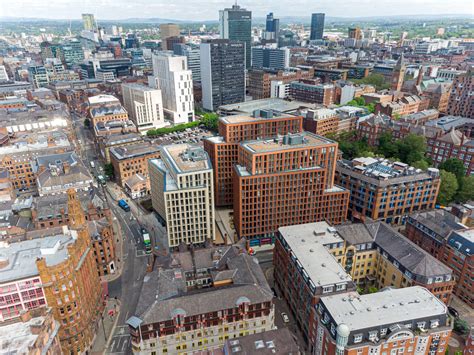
[
  {"x": 377, "y": 80},
  {"x": 109, "y": 170},
  {"x": 461, "y": 326},
  {"x": 455, "y": 166},
  {"x": 210, "y": 120},
  {"x": 421, "y": 164},
  {"x": 386, "y": 146},
  {"x": 87, "y": 123},
  {"x": 466, "y": 190},
  {"x": 370, "y": 107},
  {"x": 448, "y": 187},
  {"x": 412, "y": 148}
]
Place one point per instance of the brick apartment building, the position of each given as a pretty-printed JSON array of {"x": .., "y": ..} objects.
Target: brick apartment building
[
  {"x": 260, "y": 80},
  {"x": 442, "y": 235},
  {"x": 223, "y": 150},
  {"x": 438, "y": 94},
  {"x": 461, "y": 100},
  {"x": 386, "y": 191},
  {"x": 131, "y": 160},
  {"x": 403, "y": 106},
  {"x": 106, "y": 108},
  {"x": 311, "y": 90},
  {"x": 283, "y": 181}
]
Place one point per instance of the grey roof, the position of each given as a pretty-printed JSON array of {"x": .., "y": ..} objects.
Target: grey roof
[
  {"x": 354, "y": 233},
  {"x": 463, "y": 241},
  {"x": 439, "y": 221},
  {"x": 133, "y": 150},
  {"x": 278, "y": 341}
]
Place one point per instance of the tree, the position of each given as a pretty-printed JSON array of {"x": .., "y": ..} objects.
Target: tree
[
  {"x": 386, "y": 146},
  {"x": 461, "y": 326},
  {"x": 370, "y": 107},
  {"x": 87, "y": 123},
  {"x": 455, "y": 166},
  {"x": 421, "y": 164},
  {"x": 210, "y": 120},
  {"x": 412, "y": 148},
  {"x": 376, "y": 80},
  {"x": 109, "y": 170},
  {"x": 466, "y": 190},
  {"x": 448, "y": 187}
]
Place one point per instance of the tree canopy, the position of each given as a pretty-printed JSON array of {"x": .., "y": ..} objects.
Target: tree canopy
[{"x": 448, "y": 187}]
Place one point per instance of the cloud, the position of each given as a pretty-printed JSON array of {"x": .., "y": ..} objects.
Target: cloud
[{"x": 208, "y": 9}]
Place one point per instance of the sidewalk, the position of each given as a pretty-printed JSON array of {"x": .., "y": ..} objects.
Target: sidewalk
[{"x": 106, "y": 327}]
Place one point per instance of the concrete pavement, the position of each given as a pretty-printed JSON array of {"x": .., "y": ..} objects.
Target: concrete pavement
[{"x": 107, "y": 326}]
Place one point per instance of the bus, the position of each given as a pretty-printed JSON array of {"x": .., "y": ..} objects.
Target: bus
[{"x": 146, "y": 240}]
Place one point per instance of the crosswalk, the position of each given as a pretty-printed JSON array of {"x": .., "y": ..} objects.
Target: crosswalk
[{"x": 120, "y": 343}]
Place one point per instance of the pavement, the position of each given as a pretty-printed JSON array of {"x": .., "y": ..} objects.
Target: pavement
[
  {"x": 464, "y": 310},
  {"x": 107, "y": 326}
]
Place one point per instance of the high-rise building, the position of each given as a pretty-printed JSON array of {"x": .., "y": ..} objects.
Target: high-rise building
[
  {"x": 193, "y": 55},
  {"x": 317, "y": 26},
  {"x": 286, "y": 180},
  {"x": 354, "y": 33},
  {"x": 461, "y": 101},
  {"x": 144, "y": 106},
  {"x": 310, "y": 90},
  {"x": 236, "y": 24},
  {"x": 168, "y": 30},
  {"x": 88, "y": 21},
  {"x": 268, "y": 57},
  {"x": 398, "y": 74},
  {"x": 182, "y": 193},
  {"x": 272, "y": 27},
  {"x": 72, "y": 53},
  {"x": 174, "y": 79},
  {"x": 222, "y": 73}
]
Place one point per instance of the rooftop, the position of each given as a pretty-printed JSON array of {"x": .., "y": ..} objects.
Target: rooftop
[
  {"x": 389, "y": 306},
  {"x": 448, "y": 122},
  {"x": 287, "y": 142},
  {"x": 185, "y": 157},
  {"x": 308, "y": 244},
  {"x": 463, "y": 241},
  {"x": 252, "y": 118},
  {"x": 133, "y": 150},
  {"x": 439, "y": 221},
  {"x": 279, "y": 341},
  {"x": 274, "y": 104},
  {"x": 103, "y": 99}
]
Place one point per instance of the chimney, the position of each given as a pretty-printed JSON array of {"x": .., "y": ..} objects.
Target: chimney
[{"x": 66, "y": 167}]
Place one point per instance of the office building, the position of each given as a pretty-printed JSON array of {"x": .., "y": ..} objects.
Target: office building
[
  {"x": 306, "y": 268},
  {"x": 408, "y": 320},
  {"x": 354, "y": 33},
  {"x": 236, "y": 24},
  {"x": 311, "y": 90},
  {"x": 72, "y": 53},
  {"x": 461, "y": 100},
  {"x": 442, "y": 235},
  {"x": 222, "y": 73},
  {"x": 272, "y": 28},
  {"x": 270, "y": 57},
  {"x": 199, "y": 300},
  {"x": 317, "y": 26},
  {"x": 193, "y": 56},
  {"x": 168, "y": 30},
  {"x": 386, "y": 191},
  {"x": 106, "y": 108},
  {"x": 88, "y": 21},
  {"x": 260, "y": 80},
  {"x": 233, "y": 129},
  {"x": 144, "y": 106},
  {"x": 174, "y": 79},
  {"x": 265, "y": 180},
  {"x": 182, "y": 193}
]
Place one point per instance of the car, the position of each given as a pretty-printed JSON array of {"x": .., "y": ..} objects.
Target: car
[
  {"x": 274, "y": 292},
  {"x": 453, "y": 311},
  {"x": 285, "y": 317}
]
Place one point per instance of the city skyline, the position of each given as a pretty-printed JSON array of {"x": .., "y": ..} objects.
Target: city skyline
[{"x": 208, "y": 10}]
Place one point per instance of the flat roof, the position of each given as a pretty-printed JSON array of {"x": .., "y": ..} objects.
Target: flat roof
[
  {"x": 308, "y": 243},
  {"x": 102, "y": 99},
  {"x": 266, "y": 104},
  {"x": 18, "y": 337},
  {"x": 181, "y": 159},
  {"x": 269, "y": 145},
  {"x": 389, "y": 306},
  {"x": 133, "y": 150},
  {"x": 248, "y": 118}
]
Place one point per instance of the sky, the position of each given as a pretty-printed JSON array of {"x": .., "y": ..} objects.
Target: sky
[{"x": 200, "y": 10}]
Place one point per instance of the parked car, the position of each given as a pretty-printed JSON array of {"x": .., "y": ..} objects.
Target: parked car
[
  {"x": 285, "y": 317},
  {"x": 453, "y": 311}
]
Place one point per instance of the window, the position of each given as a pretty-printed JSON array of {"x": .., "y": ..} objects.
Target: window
[
  {"x": 328, "y": 289},
  {"x": 340, "y": 287},
  {"x": 373, "y": 335},
  {"x": 357, "y": 338},
  {"x": 383, "y": 331}
]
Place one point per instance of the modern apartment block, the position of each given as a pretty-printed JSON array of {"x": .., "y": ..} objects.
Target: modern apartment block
[
  {"x": 182, "y": 193},
  {"x": 306, "y": 268},
  {"x": 144, "y": 106},
  {"x": 310, "y": 90},
  {"x": 317, "y": 26},
  {"x": 222, "y": 73},
  {"x": 286, "y": 180},
  {"x": 223, "y": 150},
  {"x": 461, "y": 100},
  {"x": 175, "y": 81},
  {"x": 442, "y": 235},
  {"x": 393, "y": 321},
  {"x": 201, "y": 299},
  {"x": 386, "y": 191},
  {"x": 235, "y": 23},
  {"x": 270, "y": 57}
]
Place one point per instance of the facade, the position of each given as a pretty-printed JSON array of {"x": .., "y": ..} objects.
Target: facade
[
  {"x": 407, "y": 320},
  {"x": 204, "y": 298},
  {"x": 89, "y": 22},
  {"x": 144, "y": 105},
  {"x": 168, "y": 30},
  {"x": 321, "y": 122},
  {"x": 317, "y": 26},
  {"x": 193, "y": 55},
  {"x": 131, "y": 160},
  {"x": 439, "y": 96},
  {"x": 354, "y": 33},
  {"x": 260, "y": 80},
  {"x": 223, "y": 150},
  {"x": 265, "y": 179},
  {"x": 301, "y": 280},
  {"x": 106, "y": 108},
  {"x": 174, "y": 79},
  {"x": 117, "y": 140},
  {"x": 461, "y": 100},
  {"x": 182, "y": 193},
  {"x": 398, "y": 74},
  {"x": 272, "y": 28},
  {"x": 222, "y": 73},
  {"x": 235, "y": 24},
  {"x": 267, "y": 57},
  {"x": 386, "y": 191},
  {"x": 309, "y": 90}
]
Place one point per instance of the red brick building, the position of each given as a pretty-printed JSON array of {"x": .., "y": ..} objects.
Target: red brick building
[{"x": 461, "y": 100}]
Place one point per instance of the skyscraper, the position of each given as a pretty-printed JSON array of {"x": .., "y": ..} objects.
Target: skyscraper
[
  {"x": 236, "y": 24},
  {"x": 222, "y": 73},
  {"x": 88, "y": 21},
  {"x": 270, "y": 57},
  {"x": 317, "y": 26},
  {"x": 272, "y": 27},
  {"x": 168, "y": 30},
  {"x": 175, "y": 81}
]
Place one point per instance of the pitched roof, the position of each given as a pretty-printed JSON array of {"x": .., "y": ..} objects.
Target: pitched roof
[{"x": 454, "y": 137}]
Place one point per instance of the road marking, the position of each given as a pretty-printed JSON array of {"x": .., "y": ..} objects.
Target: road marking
[{"x": 124, "y": 345}]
